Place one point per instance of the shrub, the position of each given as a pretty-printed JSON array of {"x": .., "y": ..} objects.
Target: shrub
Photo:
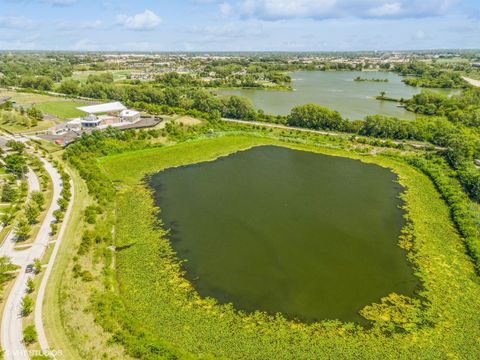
[
  {"x": 27, "y": 305},
  {"x": 29, "y": 334},
  {"x": 30, "y": 285}
]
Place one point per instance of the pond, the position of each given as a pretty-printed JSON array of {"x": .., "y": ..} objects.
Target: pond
[
  {"x": 280, "y": 230},
  {"x": 336, "y": 90}
]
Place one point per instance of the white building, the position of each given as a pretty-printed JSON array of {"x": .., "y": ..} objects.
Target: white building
[
  {"x": 130, "y": 116},
  {"x": 99, "y": 116},
  {"x": 102, "y": 114}
]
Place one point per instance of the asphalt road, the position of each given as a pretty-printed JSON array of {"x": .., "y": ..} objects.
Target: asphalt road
[{"x": 11, "y": 327}]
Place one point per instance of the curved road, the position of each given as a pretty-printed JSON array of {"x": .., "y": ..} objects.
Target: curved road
[
  {"x": 11, "y": 327},
  {"x": 42, "y": 337}
]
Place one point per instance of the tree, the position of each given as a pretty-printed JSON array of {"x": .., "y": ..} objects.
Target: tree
[
  {"x": 30, "y": 285},
  {"x": 35, "y": 113},
  {"x": 9, "y": 193},
  {"x": 16, "y": 164},
  {"x": 32, "y": 212},
  {"x": 236, "y": 107},
  {"x": 5, "y": 267},
  {"x": 38, "y": 198},
  {"x": 459, "y": 151},
  {"x": 313, "y": 116},
  {"x": 29, "y": 334},
  {"x": 27, "y": 305},
  {"x": 382, "y": 94},
  {"x": 59, "y": 215},
  {"x": 8, "y": 215},
  {"x": 17, "y": 146},
  {"x": 37, "y": 264},
  {"x": 53, "y": 228},
  {"x": 69, "y": 87},
  {"x": 22, "y": 228}
]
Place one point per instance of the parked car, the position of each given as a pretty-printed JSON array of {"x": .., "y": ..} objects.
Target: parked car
[{"x": 29, "y": 268}]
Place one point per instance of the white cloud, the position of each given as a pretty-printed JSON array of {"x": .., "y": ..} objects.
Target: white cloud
[
  {"x": 419, "y": 35},
  {"x": 94, "y": 24},
  {"x": 277, "y": 9},
  {"x": 225, "y": 9},
  {"x": 68, "y": 26},
  {"x": 15, "y": 22},
  {"x": 323, "y": 9},
  {"x": 87, "y": 45},
  {"x": 389, "y": 9},
  {"x": 60, "y": 2},
  {"x": 147, "y": 20}
]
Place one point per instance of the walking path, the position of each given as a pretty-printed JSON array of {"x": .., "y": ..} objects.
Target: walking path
[
  {"x": 472, "y": 81},
  {"x": 42, "y": 337},
  {"x": 11, "y": 327}
]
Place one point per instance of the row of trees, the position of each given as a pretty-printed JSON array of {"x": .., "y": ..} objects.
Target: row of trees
[{"x": 461, "y": 145}]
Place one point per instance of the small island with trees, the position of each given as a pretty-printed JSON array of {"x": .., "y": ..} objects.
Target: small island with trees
[{"x": 361, "y": 79}]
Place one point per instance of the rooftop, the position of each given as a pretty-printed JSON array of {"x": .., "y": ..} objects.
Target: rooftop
[{"x": 103, "y": 108}]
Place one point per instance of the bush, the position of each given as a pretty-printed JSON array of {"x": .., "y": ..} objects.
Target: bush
[
  {"x": 53, "y": 228},
  {"x": 27, "y": 305},
  {"x": 30, "y": 286},
  {"x": 29, "y": 334},
  {"x": 59, "y": 215},
  {"x": 37, "y": 264}
]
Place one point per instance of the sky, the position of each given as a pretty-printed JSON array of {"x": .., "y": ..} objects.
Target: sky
[{"x": 239, "y": 25}]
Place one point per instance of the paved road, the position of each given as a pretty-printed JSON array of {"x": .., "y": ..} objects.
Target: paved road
[
  {"x": 11, "y": 327},
  {"x": 42, "y": 338}
]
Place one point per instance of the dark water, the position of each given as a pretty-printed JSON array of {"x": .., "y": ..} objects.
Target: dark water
[{"x": 311, "y": 236}]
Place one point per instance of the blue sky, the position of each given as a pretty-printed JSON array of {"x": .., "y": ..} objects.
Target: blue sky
[{"x": 243, "y": 25}]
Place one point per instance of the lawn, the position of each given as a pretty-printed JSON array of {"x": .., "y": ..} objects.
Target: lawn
[
  {"x": 62, "y": 109},
  {"x": 158, "y": 300},
  {"x": 15, "y": 127},
  {"x": 117, "y": 74},
  {"x": 25, "y": 98}
]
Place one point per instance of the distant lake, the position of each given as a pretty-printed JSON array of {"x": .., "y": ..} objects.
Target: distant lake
[
  {"x": 336, "y": 90},
  {"x": 308, "y": 235}
]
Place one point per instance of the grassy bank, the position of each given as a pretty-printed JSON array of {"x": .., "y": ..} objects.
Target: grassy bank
[
  {"x": 152, "y": 296},
  {"x": 69, "y": 328}
]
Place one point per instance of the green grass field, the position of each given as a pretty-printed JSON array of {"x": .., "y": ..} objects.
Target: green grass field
[
  {"x": 25, "y": 98},
  {"x": 19, "y": 128},
  {"x": 117, "y": 74},
  {"x": 166, "y": 307},
  {"x": 62, "y": 109}
]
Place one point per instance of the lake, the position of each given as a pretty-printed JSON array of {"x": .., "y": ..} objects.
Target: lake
[
  {"x": 279, "y": 230},
  {"x": 336, "y": 90}
]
